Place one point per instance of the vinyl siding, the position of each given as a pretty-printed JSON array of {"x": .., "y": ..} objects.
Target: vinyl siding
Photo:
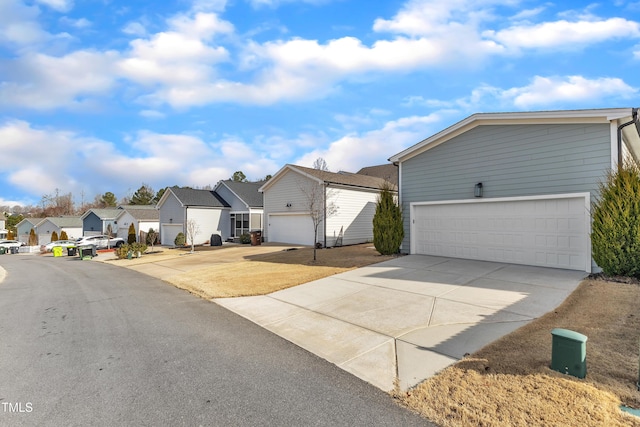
[
  {"x": 354, "y": 216},
  {"x": 171, "y": 209},
  {"x": 509, "y": 160},
  {"x": 237, "y": 205},
  {"x": 210, "y": 221},
  {"x": 287, "y": 189}
]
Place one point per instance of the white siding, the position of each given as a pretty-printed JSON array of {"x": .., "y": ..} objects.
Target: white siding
[
  {"x": 354, "y": 215},
  {"x": 123, "y": 225},
  {"x": 210, "y": 221},
  {"x": 286, "y": 190}
]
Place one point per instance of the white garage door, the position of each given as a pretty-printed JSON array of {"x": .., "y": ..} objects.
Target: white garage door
[
  {"x": 294, "y": 229},
  {"x": 168, "y": 233},
  {"x": 549, "y": 232}
]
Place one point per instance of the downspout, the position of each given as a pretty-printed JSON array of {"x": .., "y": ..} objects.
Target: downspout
[
  {"x": 634, "y": 119},
  {"x": 324, "y": 214}
]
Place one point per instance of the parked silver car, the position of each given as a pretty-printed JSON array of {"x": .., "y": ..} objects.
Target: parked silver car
[
  {"x": 62, "y": 243},
  {"x": 101, "y": 241},
  {"x": 10, "y": 244}
]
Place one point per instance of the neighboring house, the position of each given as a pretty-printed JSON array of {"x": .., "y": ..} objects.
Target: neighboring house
[
  {"x": 24, "y": 227},
  {"x": 3, "y": 229},
  {"x": 513, "y": 187},
  {"x": 179, "y": 205},
  {"x": 143, "y": 217},
  {"x": 246, "y": 213},
  {"x": 97, "y": 221},
  {"x": 287, "y": 205},
  {"x": 72, "y": 225},
  {"x": 388, "y": 172}
]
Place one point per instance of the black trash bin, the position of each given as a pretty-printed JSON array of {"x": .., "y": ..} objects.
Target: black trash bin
[
  {"x": 15, "y": 249},
  {"x": 71, "y": 251},
  {"x": 216, "y": 240}
]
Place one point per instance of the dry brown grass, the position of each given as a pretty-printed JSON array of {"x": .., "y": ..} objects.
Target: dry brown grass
[
  {"x": 264, "y": 273},
  {"x": 509, "y": 381}
]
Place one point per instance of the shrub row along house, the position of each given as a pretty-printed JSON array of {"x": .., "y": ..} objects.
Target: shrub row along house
[{"x": 513, "y": 187}]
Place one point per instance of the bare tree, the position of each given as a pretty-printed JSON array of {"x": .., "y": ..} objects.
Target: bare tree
[
  {"x": 152, "y": 235},
  {"x": 192, "y": 230},
  {"x": 318, "y": 200}
]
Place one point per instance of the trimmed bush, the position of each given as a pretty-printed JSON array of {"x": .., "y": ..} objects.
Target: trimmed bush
[
  {"x": 131, "y": 237},
  {"x": 123, "y": 251},
  {"x": 245, "y": 238},
  {"x": 388, "y": 228},
  {"x": 180, "y": 240},
  {"x": 54, "y": 237},
  {"x": 10, "y": 235},
  {"x": 615, "y": 235},
  {"x": 63, "y": 235}
]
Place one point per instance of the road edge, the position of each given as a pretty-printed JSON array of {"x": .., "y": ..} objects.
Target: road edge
[{"x": 3, "y": 274}]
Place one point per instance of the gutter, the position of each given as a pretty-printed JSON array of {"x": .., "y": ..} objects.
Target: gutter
[{"x": 634, "y": 120}]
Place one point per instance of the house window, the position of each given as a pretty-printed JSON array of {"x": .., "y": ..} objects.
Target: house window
[{"x": 239, "y": 224}]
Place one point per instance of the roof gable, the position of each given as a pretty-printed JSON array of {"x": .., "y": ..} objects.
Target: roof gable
[
  {"x": 247, "y": 192},
  {"x": 341, "y": 178},
  {"x": 102, "y": 214},
  {"x": 612, "y": 115},
  {"x": 64, "y": 221}
]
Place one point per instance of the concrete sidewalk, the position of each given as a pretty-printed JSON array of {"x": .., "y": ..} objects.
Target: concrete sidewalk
[{"x": 410, "y": 317}]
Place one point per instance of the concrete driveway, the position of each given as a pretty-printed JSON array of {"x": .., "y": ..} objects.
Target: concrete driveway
[{"x": 410, "y": 317}]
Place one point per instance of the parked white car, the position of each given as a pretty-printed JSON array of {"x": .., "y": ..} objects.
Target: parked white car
[
  {"x": 10, "y": 244},
  {"x": 101, "y": 241},
  {"x": 62, "y": 243}
]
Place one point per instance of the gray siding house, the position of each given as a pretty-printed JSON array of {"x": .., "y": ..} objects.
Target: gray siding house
[
  {"x": 24, "y": 227},
  {"x": 179, "y": 205},
  {"x": 72, "y": 225},
  {"x": 246, "y": 204},
  {"x": 287, "y": 210},
  {"x": 98, "y": 221},
  {"x": 143, "y": 217},
  {"x": 512, "y": 187}
]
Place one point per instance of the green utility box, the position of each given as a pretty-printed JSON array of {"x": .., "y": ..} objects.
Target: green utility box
[
  {"x": 3, "y": 250},
  {"x": 569, "y": 352}
]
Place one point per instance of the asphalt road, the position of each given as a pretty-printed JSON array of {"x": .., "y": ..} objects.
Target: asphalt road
[{"x": 86, "y": 343}]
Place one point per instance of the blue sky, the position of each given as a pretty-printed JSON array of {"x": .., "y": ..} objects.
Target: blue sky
[{"x": 104, "y": 95}]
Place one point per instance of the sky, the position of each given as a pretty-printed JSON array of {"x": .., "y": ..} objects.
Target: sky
[{"x": 107, "y": 95}]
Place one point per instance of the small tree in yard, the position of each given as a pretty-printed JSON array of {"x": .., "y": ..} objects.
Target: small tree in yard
[
  {"x": 192, "y": 231},
  {"x": 615, "y": 235},
  {"x": 318, "y": 200},
  {"x": 63, "y": 235},
  {"x": 10, "y": 235},
  {"x": 151, "y": 238},
  {"x": 131, "y": 236},
  {"x": 388, "y": 228},
  {"x": 54, "y": 236}
]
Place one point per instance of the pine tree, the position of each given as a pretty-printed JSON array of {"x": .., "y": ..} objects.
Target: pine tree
[
  {"x": 54, "y": 236},
  {"x": 63, "y": 235},
  {"x": 33, "y": 239},
  {"x": 388, "y": 228},
  {"x": 132, "y": 234}
]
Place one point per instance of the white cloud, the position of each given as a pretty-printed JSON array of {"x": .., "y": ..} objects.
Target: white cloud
[
  {"x": 542, "y": 92},
  {"x": 135, "y": 29},
  {"x": 76, "y": 23},
  {"x": 152, "y": 114},
  {"x": 550, "y": 90},
  {"x": 59, "y": 5},
  {"x": 355, "y": 151},
  {"x": 46, "y": 82},
  {"x": 564, "y": 33},
  {"x": 19, "y": 24}
]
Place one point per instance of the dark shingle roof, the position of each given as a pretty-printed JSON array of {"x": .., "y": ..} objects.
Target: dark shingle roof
[
  {"x": 345, "y": 178},
  {"x": 205, "y": 198},
  {"x": 247, "y": 191},
  {"x": 387, "y": 171}
]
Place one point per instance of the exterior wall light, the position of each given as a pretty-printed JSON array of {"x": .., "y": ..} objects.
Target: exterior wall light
[
  {"x": 478, "y": 190},
  {"x": 288, "y": 204}
]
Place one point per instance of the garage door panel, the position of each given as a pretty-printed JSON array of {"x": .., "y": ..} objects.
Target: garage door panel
[
  {"x": 293, "y": 229},
  {"x": 540, "y": 232}
]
